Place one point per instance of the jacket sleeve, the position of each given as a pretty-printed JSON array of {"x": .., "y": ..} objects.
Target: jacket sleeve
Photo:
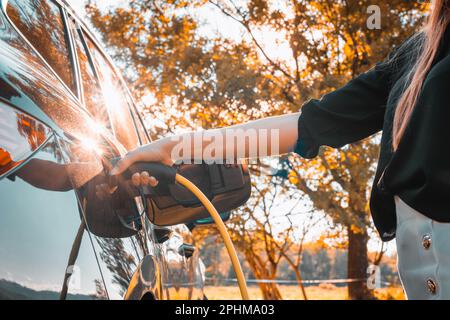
[{"x": 346, "y": 115}]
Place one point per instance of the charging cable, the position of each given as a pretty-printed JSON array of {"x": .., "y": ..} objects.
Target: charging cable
[{"x": 222, "y": 230}]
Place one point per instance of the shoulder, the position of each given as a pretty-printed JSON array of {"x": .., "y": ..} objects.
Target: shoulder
[
  {"x": 402, "y": 58},
  {"x": 409, "y": 48}
]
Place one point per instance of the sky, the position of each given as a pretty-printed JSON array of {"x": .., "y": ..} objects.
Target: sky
[{"x": 77, "y": 5}]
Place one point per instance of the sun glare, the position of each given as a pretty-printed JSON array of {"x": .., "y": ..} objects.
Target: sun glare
[
  {"x": 112, "y": 97},
  {"x": 97, "y": 127},
  {"x": 91, "y": 145}
]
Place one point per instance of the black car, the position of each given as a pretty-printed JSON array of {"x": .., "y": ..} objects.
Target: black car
[{"x": 64, "y": 110}]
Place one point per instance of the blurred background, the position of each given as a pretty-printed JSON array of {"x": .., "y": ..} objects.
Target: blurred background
[{"x": 306, "y": 233}]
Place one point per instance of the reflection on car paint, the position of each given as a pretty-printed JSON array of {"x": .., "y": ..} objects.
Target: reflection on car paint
[
  {"x": 114, "y": 98},
  {"x": 183, "y": 279},
  {"x": 41, "y": 23}
]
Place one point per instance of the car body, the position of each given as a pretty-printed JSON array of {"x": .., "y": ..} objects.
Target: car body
[{"x": 64, "y": 110}]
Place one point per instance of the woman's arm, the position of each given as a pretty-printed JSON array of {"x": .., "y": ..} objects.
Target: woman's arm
[{"x": 265, "y": 137}]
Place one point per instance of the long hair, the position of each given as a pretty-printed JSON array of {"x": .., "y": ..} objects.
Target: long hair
[{"x": 434, "y": 29}]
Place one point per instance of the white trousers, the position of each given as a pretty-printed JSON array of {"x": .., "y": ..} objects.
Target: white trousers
[{"x": 423, "y": 248}]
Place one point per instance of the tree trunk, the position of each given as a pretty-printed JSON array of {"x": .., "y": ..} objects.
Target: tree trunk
[
  {"x": 300, "y": 283},
  {"x": 298, "y": 276},
  {"x": 357, "y": 265},
  {"x": 269, "y": 290}
]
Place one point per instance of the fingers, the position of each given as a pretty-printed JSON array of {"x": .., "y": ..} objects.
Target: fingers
[
  {"x": 102, "y": 191},
  {"x": 143, "y": 179},
  {"x": 153, "y": 182},
  {"x": 136, "y": 179}
]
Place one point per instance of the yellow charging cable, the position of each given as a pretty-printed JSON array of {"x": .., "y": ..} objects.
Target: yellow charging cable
[{"x": 223, "y": 232}]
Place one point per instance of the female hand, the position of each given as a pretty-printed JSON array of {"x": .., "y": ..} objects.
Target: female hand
[{"x": 158, "y": 151}]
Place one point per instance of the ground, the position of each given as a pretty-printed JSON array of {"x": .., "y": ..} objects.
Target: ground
[{"x": 323, "y": 292}]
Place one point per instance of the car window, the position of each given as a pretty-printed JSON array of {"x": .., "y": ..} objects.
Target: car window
[
  {"x": 92, "y": 93},
  {"x": 40, "y": 21},
  {"x": 116, "y": 98}
]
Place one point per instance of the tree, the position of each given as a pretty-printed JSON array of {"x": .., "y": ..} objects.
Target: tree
[
  {"x": 204, "y": 81},
  {"x": 267, "y": 238}
]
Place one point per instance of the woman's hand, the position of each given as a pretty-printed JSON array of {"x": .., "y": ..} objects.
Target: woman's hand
[{"x": 158, "y": 151}]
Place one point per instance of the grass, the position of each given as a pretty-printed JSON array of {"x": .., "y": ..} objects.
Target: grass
[{"x": 322, "y": 292}]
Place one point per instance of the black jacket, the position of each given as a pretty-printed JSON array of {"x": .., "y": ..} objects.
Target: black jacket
[{"x": 419, "y": 171}]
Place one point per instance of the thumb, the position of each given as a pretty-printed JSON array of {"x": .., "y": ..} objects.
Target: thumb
[{"x": 123, "y": 164}]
